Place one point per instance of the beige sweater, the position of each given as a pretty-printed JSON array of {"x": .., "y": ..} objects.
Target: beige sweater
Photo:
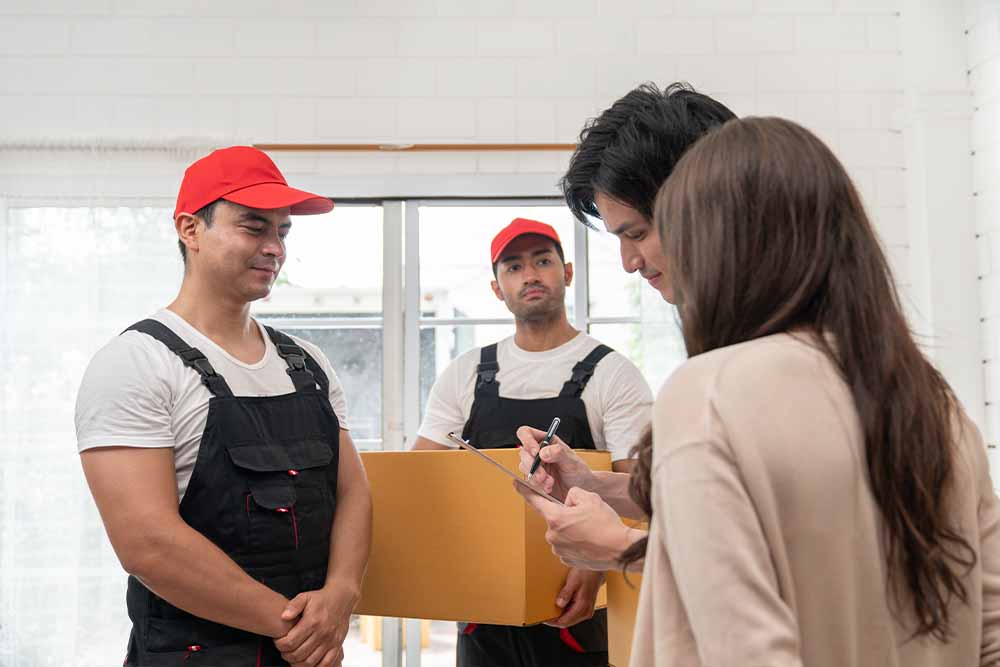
[{"x": 765, "y": 546}]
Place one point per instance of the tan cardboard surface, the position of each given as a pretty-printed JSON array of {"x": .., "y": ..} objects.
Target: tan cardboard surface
[
  {"x": 623, "y": 602},
  {"x": 454, "y": 541}
]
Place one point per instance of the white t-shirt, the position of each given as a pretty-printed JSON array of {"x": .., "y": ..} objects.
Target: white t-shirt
[
  {"x": 617, "y": 398},
  {"x": 137, "y": 393}
]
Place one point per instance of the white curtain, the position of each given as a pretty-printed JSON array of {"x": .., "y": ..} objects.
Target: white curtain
[{"x": 72, "y": 277}]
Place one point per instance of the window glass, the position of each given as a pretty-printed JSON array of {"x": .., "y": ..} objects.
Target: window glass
[
  {"x": 333, "y": 266},
  {"x": 356, "y": 356},
  {"x": 613, "y": 292},
  {"x": 73, "y": 278},
  {"x": 440, "y": 344}
]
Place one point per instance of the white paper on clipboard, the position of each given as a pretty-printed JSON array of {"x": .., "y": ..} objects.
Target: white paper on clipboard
[{"x": 523, "y": 482}]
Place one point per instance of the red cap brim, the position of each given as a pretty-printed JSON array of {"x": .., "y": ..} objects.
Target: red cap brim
[{"x": 276, "y": 195}]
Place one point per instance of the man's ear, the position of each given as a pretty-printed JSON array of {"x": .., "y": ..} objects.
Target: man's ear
[
  {"x": 568, "y": 267},
  {"x": 187, "y": 230},
  {"x": 496, "y": 289}
]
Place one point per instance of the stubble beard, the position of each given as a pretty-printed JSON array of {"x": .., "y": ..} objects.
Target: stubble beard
[{"x": 540, "y": 312}]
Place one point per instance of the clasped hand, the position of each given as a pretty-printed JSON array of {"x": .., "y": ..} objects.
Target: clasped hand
[{"x": 321, "y": 620}]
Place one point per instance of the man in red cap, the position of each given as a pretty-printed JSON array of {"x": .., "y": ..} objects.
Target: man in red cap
[
  {"x": 217, "y": 449},
  {"x": 546, "y": 369}
]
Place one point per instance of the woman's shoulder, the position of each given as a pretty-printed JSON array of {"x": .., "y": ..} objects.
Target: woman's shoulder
[{"x": 746, "y": 364}]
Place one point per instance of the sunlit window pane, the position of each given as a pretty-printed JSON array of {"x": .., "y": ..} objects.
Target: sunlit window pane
[
  {"x": 439, "y": 345},
  {"x": 657, "y": 347},
  {"x": 334, "y": 266},
  {"x": 75, "y": 277},
  {"x": 613, "y": 293},
  {"x": 356, "y": 356}
]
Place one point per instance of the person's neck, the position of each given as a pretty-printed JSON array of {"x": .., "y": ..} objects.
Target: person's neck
[
  {"x": 543, "y": 335},
  {"x": 221, "y": 319}
]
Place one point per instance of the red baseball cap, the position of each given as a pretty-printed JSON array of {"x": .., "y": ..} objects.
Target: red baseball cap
[
  {"x": 519, "y": 227},
  {"x": 246, "y": 176}
]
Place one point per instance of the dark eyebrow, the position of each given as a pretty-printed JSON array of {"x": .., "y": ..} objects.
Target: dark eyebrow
[
  {"x": 517, "y": 258},
  {"x": 509, "y": 258},
  {"x": 624, "y": 228},
  {"x": 250, "y": 216}
]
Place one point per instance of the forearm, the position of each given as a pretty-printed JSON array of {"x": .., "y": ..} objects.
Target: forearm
[
  {"x": 190, "y": 572},
  {"x": 426, "y": 444},
  {"x": 351, "y": 537},
  {"x": 612, "y": 487}
]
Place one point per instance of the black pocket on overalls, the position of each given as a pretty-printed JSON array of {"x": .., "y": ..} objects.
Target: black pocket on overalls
[{"x": 286, "y": 492}]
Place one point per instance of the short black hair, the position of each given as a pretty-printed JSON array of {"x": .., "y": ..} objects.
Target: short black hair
[
  {"x": 205, "y": 213},
  {"x": 559, "y": 251},
  {"x": 630, "y": 149}
]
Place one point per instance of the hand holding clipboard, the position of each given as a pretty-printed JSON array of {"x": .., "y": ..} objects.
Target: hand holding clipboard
[{"x": 520, "y": 481}]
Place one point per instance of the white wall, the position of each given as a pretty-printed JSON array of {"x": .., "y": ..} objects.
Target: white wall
[
  {"x": 982, "y": 24},
  {"x": 944, "y": 294},
  {"x": 437, "y": 70}
]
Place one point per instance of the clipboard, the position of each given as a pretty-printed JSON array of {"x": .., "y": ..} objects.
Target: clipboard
[{"x": 522, "y": 482}]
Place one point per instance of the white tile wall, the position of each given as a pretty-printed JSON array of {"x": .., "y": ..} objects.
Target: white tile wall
[
  {"x": 983, "y": 30},
  {"x": 398, "y": 71},
  {"x": 212, "y": 56}
]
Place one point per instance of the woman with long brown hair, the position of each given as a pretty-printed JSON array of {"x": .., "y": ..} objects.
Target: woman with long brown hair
[{"x": 816, "y": 494}]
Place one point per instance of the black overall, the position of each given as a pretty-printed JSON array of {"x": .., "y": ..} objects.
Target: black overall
[
  {"x": 493, "y": 423},
  {"x": 264, "y": 490}
]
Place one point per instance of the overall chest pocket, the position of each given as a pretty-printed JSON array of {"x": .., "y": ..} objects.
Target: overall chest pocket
[{"x": 289, "y": 495}]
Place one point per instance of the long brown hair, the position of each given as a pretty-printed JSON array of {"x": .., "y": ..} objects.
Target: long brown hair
[{"x": 764, "y": 233}]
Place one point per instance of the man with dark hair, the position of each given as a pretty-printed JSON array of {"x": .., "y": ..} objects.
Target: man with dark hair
[
  {"x": 626, "y": 154},
  {"x": 623, "y": 158},
  {"x": 217, "y": 448},
  {"x": 546, "y": 369}
]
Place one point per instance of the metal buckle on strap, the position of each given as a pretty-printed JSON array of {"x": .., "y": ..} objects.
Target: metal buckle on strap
[
  {"x": 582, "y": 373},
  {"x": 196, "y": 360},
  {"x": 487, "y": 372},
  {"x": 293, "y": 355},
  {"x": 190, "y": 354},
  {"x": 203, "y": 367},
  {"x": 286, "y": 350}
]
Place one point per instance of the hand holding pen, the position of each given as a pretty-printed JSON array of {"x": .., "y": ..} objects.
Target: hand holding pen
[
  {"x": 544, "y": 443},
  {"x": 563, "y": 469}
]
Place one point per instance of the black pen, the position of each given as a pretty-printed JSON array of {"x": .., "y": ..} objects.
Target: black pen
[{"x": 548, "y": 436}]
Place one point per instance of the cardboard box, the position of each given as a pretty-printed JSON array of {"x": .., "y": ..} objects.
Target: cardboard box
[
  {"x": 623, "y": 602},
  {"x": 453, "y": 540}
]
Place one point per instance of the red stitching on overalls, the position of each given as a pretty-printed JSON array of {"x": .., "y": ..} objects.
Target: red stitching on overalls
[{"x": 295, "y": 523}]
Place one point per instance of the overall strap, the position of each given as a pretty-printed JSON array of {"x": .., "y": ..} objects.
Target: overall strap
[
  {"x": 191, "y": 356},
  {"x": 583, "y": 371},
  {"x": 306, "y": 374},
  {"x": 486, "y": 373}
]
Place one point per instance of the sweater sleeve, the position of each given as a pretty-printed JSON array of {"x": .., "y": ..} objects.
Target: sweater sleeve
[{"x": 719, "y": 555}]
